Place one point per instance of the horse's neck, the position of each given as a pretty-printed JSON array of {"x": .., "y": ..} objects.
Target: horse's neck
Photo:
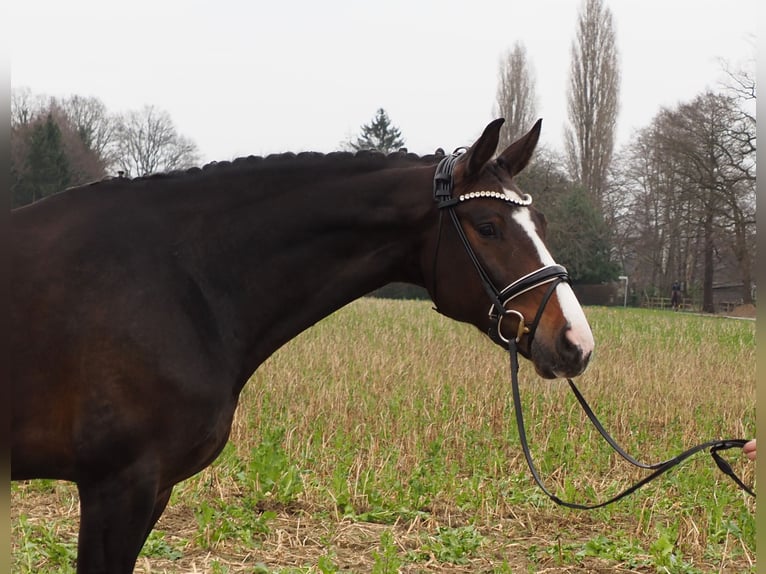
[{"x": 280, "y": 262}]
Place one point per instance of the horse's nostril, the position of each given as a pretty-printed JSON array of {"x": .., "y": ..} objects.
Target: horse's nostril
[
  {"x": 580, "y": 338},
  {"x": 571, "y": 351},
  {"x": 586, "y": 359}
]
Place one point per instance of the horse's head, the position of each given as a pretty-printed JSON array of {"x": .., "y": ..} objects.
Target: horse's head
[{"x": 489, "y": 264}]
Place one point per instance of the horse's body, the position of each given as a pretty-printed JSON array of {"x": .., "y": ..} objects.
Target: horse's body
[{"x": 140, "y": 308}]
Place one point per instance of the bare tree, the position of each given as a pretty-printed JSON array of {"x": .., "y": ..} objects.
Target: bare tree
[
  {"x": 36, "y": 114},
  {"x": 516, "y": 99},
  {"x": 741, "y": 87},
  {"x": 654, "y": 228},
  {"x": 26, "y": 107},
  {"x": 741, "y": 83},
  {"x": 148, "y": 142},
  {"x": 94, "y": 124},
  {"x": 86, "y": 117},
  {"x": 711, "y": 136},
  {"x": 690, "y": 180},
  {"x": 741, "y": 79},
  {"x": 593, "y": 98}
]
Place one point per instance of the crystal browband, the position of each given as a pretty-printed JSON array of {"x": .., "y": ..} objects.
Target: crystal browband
[{"x": 526, "y": 199}]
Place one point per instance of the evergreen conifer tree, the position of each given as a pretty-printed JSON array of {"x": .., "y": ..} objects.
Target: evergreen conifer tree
[
  {"x": 48, "y": 169},
  {"x": 379, "y": 135},
  {"x": 580, "y": 238}
]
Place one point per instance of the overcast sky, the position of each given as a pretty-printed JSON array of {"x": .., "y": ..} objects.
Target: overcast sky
[{"x": 250, "y": 77}]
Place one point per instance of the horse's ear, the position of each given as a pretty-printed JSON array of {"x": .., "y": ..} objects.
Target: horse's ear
[
  {"x": 483, "y": 148},
  {"x": 517, "y": 155}
]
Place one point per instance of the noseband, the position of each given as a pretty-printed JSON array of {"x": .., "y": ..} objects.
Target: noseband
[{"x": 548, "y": 274}]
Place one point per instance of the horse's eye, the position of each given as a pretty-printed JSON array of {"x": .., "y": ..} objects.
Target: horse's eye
[{"x": 487, "y": 230}]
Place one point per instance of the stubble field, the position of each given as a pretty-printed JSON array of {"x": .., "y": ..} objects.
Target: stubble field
[{"x": 383, "y": 440}]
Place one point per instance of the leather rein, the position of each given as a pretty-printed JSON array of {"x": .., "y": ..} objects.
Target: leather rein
[{"x": 551, "y": 275}]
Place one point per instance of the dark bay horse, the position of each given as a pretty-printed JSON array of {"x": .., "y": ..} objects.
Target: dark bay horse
[{"x": 141, "y": 307}]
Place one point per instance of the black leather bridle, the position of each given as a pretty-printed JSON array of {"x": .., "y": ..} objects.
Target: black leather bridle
[
  {"x": 548, "y": 274},
  {"x": 552, "y": 275}
]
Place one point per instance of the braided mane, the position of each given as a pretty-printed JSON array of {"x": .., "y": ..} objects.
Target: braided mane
[{"x": 306, "y": 158}]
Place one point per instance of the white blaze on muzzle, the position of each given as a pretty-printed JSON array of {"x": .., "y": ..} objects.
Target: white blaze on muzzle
[{"x": 579, "y": 333}]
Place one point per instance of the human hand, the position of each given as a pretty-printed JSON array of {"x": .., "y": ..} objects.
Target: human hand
[{"x": 749, "y": 449}]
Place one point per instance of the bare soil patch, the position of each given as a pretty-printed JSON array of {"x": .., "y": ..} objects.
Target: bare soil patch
[{"x": 744, "y": 311}]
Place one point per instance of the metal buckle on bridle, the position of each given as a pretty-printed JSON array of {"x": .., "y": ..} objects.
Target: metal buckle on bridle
[
  {"x": 521, "y": 329},
  {"x": 549, "y": 274}
]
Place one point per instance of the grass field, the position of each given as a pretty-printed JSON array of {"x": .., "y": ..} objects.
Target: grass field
[{"x": 382, "y": 440}]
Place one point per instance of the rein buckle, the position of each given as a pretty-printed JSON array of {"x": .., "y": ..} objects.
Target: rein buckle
[{"x": 521, "y": 330}]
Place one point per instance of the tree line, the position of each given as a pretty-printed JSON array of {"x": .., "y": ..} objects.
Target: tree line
[
  {"x": 56, "y": 143},
  {"x": 677, "y": 203}
]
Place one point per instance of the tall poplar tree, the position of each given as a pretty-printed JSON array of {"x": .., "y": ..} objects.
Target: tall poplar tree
[
  {"x": 515, "y": 99},
  {"x": 592, "y": 99}
]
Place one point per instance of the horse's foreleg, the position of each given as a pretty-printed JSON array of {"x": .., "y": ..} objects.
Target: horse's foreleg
[
  {"x": 116, "y": 516},
  {"x": 160, "y": 502}
]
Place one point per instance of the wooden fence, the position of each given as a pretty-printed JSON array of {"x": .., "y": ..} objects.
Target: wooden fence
[
  {"x": 664, "y": 303},
  {"x": 687, "y": 304}
]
